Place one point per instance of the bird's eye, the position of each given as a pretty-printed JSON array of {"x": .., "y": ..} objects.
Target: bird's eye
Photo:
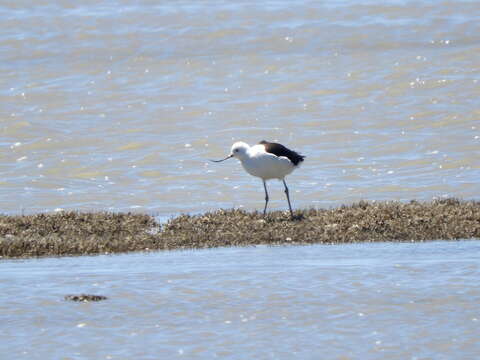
[{"x": 236, "y": 150}]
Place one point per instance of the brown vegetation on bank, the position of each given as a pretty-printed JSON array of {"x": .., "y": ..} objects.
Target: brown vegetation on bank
[{"x": 76, "y": 233}]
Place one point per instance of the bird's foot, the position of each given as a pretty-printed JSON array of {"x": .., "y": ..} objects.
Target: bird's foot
[{"x": 297, "y": 217}]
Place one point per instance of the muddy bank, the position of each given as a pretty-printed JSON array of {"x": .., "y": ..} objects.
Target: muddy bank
[{"x": 76, "y": 233}]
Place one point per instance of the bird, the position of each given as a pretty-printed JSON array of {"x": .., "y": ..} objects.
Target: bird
[{"x": 266, "y": 160}]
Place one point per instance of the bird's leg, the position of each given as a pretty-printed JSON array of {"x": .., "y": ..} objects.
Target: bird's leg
[
  {"x": 288, "y": 198},
  {"x": 266, "y": 197}
]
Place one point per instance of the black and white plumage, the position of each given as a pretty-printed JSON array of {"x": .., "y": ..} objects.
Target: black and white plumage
[
  {"x": 280, "y": 150},
  {"x": 267, "y": 160}
]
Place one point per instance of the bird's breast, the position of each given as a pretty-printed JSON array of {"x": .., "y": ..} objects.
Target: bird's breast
[{"x": 268, "y": 167}]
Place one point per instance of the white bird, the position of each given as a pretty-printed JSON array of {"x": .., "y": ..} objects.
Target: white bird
[{"x": 267, "y": 160}]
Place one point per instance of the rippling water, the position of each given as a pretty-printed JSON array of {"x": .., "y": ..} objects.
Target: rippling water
[
  {"x": 370, "y": 301},
  {"x": 118, "y": 105}
]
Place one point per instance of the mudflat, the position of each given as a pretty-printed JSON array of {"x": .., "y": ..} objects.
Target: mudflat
[{"x": 85, "y": 233}]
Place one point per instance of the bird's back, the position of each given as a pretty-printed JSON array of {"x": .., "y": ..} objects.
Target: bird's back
[{"x": 280, "y": 150}]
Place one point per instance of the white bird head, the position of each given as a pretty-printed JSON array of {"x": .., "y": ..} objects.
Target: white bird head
[{"x": 239, "y": 150}]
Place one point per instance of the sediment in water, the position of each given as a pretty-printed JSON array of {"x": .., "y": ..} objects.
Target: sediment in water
[
  {"x": 85, "y": 297},
  {"x": 77, "y": 233}
]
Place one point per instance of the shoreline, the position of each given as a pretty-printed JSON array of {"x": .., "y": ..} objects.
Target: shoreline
[{"x": 73, "y": 233}]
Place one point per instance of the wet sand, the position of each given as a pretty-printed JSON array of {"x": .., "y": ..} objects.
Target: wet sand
[{"x": 78, "y": 233}]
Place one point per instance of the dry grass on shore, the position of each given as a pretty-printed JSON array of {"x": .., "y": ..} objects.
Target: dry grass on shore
[{"x": 76, "y": 233}]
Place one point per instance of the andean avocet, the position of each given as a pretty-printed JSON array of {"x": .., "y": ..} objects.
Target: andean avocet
[{"x": 267, "y": 160}]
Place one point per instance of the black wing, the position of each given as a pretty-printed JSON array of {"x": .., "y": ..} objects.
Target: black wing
[{"x": 280, "y": 150}]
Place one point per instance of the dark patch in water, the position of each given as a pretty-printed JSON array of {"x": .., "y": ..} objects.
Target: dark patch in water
[{"x": 85, "y": 298}]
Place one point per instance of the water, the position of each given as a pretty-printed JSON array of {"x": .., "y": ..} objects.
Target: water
[
  {"x": 369, "y": 301},
  {"x": 117, "y": 105}
]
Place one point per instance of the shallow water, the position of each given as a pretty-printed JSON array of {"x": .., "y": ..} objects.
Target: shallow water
[
  {"x": 118, "y": 105},
  {"x": 368, "y": 301}
]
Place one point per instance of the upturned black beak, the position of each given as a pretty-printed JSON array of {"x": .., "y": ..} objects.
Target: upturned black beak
[{"x": 228, "y": 157}]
